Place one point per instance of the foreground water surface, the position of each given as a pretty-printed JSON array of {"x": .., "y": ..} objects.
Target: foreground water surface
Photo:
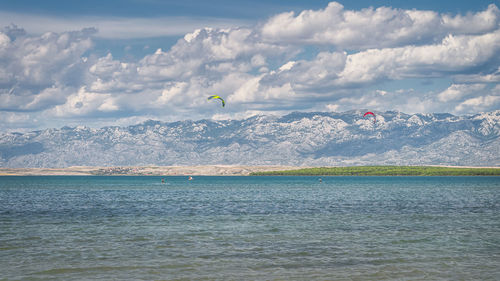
[{"x": 249, "y": 228}]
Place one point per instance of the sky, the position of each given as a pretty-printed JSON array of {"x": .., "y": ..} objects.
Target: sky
[{"x": 116, "y": 63}]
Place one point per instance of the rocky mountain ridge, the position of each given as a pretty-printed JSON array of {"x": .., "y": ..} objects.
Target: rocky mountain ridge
[{"x": 298, "y": 139}]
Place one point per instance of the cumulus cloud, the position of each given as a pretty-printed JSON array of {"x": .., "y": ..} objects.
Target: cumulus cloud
[
  {"x": 330, "y": 72},
  {"x": 38, "y": 72},
  {"x": 204, "y": 62},
  {"x": 408, "y": 101},
  {"x": 374, "y": 28},
  {"x": 458, "y": 91},
  {"x": 260, "y": 68},
  {"x": 479, "y": 104},
  {"x": 471, "y": 23},
  {"x": 305, "y": 75},
  {"x": 84, "y": 103},
  {"x": 454, "y": 54}
]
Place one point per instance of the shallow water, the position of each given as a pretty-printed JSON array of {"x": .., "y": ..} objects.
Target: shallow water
[{"x": 249, "y": 228}]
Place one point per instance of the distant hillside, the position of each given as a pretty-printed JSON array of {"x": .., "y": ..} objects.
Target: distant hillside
[{"x": 297, "y": 139}]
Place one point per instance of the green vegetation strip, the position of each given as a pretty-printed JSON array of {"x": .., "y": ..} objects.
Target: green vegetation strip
[{"x": 384, "y": 171}]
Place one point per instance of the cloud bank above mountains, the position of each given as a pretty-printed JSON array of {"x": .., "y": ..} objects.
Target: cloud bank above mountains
[{"x": 331, "y": 59}]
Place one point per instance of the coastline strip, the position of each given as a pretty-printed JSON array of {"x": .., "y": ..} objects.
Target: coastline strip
[
  {"x": 386, "y": 171},
  {"x": 235, "y": 170}
]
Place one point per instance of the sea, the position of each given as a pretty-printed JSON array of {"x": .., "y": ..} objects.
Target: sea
[{"x": 249, "y": 228}]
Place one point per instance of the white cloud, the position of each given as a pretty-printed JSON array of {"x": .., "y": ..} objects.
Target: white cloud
[
  {"x": 84, "y": 103},
  {"x": 170, "y": 92},
  {"x": 480, "y": 22},
  {"x": 458, "y": 91},
  {"x": 328, "y": 73},
  {"x": 45, "y": 59},
  {"x": 332, "y": 107},
  {"x": 258, "y": 60},
  {"x": 4, "y": 42},
  {"x": 453, "y": 54},
  {"x": 247, "y": 92},
  {"x": 408, "y": 101},
  {"x": 479, "y": 104},
  {"x": 208, "y": 52},
  {"x": 47, "y": 98},
  {"x": 38, "y": 72},
  {"x": 374, "y": 28},
  {"x": 17, "y": 122},
  {"x": 260, "y": 68},
  {"x": 205, "y": 62},
  {"x": 308, "y": 76}
]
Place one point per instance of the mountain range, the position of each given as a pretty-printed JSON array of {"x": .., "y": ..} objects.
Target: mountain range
[{"x": 298, "y": 139}]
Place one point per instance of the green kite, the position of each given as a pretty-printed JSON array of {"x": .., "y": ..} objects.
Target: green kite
[{"x": 217, "y": 97}]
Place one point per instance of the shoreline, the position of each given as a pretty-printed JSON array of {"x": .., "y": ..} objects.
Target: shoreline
[{"x": 201, "y": 170}]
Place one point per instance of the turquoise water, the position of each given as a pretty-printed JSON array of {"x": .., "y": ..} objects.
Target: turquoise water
[{"x": 249, "y": 228}]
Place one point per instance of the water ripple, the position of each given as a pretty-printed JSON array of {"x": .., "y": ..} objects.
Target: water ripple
[{"x": 250, "y": 228}]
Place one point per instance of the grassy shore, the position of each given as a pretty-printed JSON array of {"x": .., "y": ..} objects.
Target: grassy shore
[{"x": 385, "y": 171}]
